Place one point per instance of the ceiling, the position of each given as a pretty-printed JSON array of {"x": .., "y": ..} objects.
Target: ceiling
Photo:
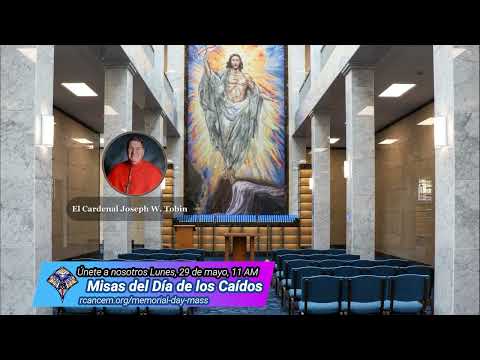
[
  {"x": 82, "y": 63},
  {"x": 397, "y": 64}
]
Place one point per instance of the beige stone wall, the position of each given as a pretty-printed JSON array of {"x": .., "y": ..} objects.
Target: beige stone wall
[
  {"x": 405, "y": 224},
  {"x": 338, "y": 197},
  {"x": 76, "y": 174}
]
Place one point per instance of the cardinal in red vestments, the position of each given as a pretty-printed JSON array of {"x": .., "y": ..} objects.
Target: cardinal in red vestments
[{"x": 135, "y": 176}]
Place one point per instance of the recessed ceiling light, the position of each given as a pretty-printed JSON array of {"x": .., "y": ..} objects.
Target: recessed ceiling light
[
  {"x": 82, "y": 140},
  {"x": 29, "y": 53},
  {"x": 427, "y": 122},
  {"x": 80, "y": 89},
  {"x": 108, "y": 110},
  {"x": 367, "y": 111},
  {"x": 457, "y": 51},
  {"x": 334, "y": 140},
  {"x": 396, "y": 90},
  {"x": 388, "y": 141}
]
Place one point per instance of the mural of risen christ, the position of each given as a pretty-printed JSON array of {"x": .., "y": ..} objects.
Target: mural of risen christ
[{"x": 232, "y": 104}]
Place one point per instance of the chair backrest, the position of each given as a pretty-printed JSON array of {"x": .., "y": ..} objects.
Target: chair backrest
[
  {"x": 290, "y": 265},
  {"x": 187, "y": 256},
  {"x": 278, "y": 252},
  {"x": 364, "y": 263},
  {"x": 318, "y": 257},
  {"x": 282, "y": 258},
  {"x": 330, "y": 263},
  {"x": 191, "y": 251},
  {"x": 409, "y": 287},
  {"x": 418, "y": 270},
  {"x": 335, "y": 251},
  {"x": 153, "y": 251},
  {"x": 302, "y": 272},
  {"x": 322, "y": 289},
  {"x": 346, "y": 257},
  {"x": 382, "y": 270},
  {"x": 366, "y": 288},
  {"x": 162, "y": 256},
  {"x": 345, "y": 271},
  {"x": 131, "y": 256},
  {"x": 395, "y": 262}
]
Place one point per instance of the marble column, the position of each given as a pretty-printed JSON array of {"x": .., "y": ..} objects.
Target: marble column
[
  {"x": 360, "y": 155},
  {"x": 456, "y": 89},
  {"x": 117, "y": 119},
  {"x": 26, "y": 104},
  {"x": 152, "y": 228},
  {"x": 320, "y": 123}
]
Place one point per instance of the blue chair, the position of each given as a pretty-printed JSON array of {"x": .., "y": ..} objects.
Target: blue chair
[
  {"x": 396, "y": 262},
  {"x": 421, "y": 270},
  {"x": 188, "y": 256},
  {"x": 347, "y": 257},
  {"x": 279, "y": 274},
  {"x": 152, "y": 251},
  {"x": 321, "y": 295},
  {"x": 330, "y": 263},
  {"x": 366, "y": 294},
  {"x": 318, "y": 257},
  {"x": 408, "y": 294},
  {"x": 286, "y": 282},
  {"x": 364, "y": 263},
  {"x": 199, "y": 252},
  {"x": 382, "y": 270},
  {"x": 345, "y": 272},
  {"x": 161, "y": 256},
  {"x": 131, "y": 256},
  {"x": 295, "y": 291},
  {"x": 278, "y": 252},
  {"x": 335, "y": 251}
]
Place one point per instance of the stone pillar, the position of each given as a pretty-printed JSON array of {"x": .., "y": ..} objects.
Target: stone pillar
[
  {"x": 360, "y": 136},
  {"x": 152, "y": 229},
  {"x": 320, "y": 123},
  {"x": 456, "y": 88},
  {"x": 117, "y": 119},
  {"x": 26, "y": 104}
]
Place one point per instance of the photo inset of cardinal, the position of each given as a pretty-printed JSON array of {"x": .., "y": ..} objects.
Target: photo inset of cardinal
[{"x": 136, "y": 175}]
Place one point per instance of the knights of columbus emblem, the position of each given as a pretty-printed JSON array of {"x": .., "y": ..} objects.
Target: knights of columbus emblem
[{"x": 62, "y": 280}]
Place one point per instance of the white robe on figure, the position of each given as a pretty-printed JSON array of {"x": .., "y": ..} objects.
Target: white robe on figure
[{"x": 231, "y": 126}]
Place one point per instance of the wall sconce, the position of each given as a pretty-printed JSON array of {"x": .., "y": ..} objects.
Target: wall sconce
[
  {"x": 346, "y": 169},
  {"x": 47, "y": 130},
  {"x": 310, "y": 183},
  {"x": 440, "y": 132}
]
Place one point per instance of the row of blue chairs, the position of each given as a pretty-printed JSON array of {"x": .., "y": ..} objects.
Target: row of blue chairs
[
  {"x": 364, "y": 294},
  {"x": 291, "y": 285},
  {"x": 278, "y": 252},
  {"x": 280, "y": 259}
]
